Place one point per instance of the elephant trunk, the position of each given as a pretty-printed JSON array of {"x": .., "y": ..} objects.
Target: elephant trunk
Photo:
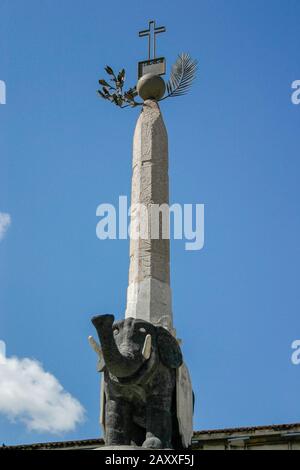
[{"x": 117, "y": 363}]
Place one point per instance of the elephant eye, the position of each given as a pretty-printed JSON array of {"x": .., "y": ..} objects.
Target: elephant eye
[
  {"x": 116, "y": 331},
  {"x": 142, "y": 330}
]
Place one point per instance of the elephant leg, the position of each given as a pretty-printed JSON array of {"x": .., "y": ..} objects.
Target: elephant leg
[
  {"x": 159, "y": 422},
  {"x": 137, "y": 434},
  {"x": 117, "y": 422}
]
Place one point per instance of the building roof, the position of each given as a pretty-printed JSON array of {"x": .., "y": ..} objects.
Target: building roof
[
  {"x": 199, "y": 437},
  {"x": 250, "y": 429}
]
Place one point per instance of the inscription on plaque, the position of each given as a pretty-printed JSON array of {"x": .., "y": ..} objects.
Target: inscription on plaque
[{"x": 156, "y": 66}]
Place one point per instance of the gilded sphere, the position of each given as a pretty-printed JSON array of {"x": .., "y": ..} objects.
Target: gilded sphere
[{"x": 151, "y": 86}]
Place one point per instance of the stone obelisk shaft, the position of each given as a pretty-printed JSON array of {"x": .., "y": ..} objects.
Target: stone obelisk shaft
[{"x": 149, "y": 294}]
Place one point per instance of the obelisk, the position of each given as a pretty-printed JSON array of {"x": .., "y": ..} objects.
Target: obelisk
[
  {"x": 147, "y": 397},
  {"x": 149, "y": 293}
]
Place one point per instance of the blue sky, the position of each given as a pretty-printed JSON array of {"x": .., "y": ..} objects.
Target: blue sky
[{"x": 234, "y": 146}]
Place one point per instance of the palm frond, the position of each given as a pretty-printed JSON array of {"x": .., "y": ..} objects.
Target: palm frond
[{"x": 182, "y": 76}]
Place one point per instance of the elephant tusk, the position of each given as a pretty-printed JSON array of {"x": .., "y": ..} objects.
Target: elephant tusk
[
  {"x": 95, "y": 346},
  {"x": 146, "y": 352}
]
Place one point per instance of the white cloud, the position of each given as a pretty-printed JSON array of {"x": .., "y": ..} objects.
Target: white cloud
[
  {"x": 5, "y": 221},
  {"x": 35, "y": 397}
]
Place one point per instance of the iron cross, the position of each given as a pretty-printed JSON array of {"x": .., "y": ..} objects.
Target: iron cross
[{"x": 152, "y": 31}]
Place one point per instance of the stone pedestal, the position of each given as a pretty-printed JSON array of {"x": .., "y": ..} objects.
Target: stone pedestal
[{"x": 149, "y": 293}]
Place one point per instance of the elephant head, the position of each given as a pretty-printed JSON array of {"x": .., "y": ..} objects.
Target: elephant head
[{"x": 128, "y": 344}]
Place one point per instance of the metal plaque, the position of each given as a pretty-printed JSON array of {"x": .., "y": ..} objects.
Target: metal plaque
[{"x": 155, "y": 66}]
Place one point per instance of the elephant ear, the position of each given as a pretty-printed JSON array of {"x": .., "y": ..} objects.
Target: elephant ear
[{"x": 168, "y": 348}]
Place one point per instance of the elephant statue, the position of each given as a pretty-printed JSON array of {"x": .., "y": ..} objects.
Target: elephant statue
[{"x": 140, "y": 361}]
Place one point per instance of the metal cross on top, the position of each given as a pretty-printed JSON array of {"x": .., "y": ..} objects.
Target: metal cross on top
[{"x": 152, "y": 31}]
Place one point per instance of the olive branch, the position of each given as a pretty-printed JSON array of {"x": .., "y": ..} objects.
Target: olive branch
[{"x": 114, "y": 92}]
